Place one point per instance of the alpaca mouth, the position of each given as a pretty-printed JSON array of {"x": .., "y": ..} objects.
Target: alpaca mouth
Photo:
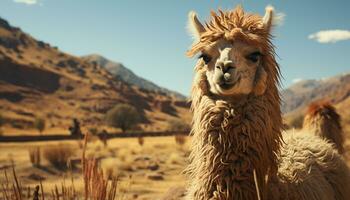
[{"x": 226, "y": 85}]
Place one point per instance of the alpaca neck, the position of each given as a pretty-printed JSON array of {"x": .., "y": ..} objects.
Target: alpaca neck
[{"x": 231, "y": 142}]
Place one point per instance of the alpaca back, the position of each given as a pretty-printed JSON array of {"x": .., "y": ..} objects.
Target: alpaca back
[{"x": 310, "y": 168}]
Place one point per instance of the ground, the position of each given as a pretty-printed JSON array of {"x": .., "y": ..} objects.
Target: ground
[{"x": 146, "y": 172}]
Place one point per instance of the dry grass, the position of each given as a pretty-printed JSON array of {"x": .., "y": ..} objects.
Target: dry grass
[
  {"x": 11, "y": 190},
  {"x": 58, "y": 155},
  {"x": 35, "y": 156},
  {"x": 180, "y": 139},
  {"x": 96, "y": 186},
  {"x": 124, "y": 158},
  {"x": 141, "y": 141}
]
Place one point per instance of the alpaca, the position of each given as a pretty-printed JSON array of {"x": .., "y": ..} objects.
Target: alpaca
[
  {"x": 238, "y": 149},
  {"x": 323, "y": 120}
]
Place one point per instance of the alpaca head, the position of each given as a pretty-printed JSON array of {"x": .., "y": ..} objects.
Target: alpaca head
[
  {"x": 323, "y": 120},
  {"x": 235, "y": 51}
]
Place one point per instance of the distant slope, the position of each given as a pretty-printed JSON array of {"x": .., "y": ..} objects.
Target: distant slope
[
  {"x": 335, "y": 89},
  {"x": 126, "y": 75},
  {"x": 39, "y": 80}
]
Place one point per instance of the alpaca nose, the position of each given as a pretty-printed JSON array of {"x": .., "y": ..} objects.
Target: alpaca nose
[{"x": 224, "y": 67}]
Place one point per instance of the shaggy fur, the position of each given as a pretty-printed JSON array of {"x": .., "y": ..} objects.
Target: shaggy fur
[
  {"x": 235, "y": 137},
  {"x": 323, "y": 120},
  {"x": 309, "y": 168}
]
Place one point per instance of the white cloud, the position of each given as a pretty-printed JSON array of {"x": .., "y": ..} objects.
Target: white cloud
[
  {"x": 330, "y": 36},
  {"x": 296, "y": 80},
  {"x": 28, "y": 2}
]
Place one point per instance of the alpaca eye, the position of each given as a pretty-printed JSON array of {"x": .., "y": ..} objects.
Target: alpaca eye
[
  {"x": 205, "y": 58},
  {"x": 254, "y": 57}
]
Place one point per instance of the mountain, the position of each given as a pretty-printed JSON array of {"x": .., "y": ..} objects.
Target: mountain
[
  {"x": 335, "y": 89},
  {"x": 126, "y": 75},
  {"x": 39, "y": 80}
]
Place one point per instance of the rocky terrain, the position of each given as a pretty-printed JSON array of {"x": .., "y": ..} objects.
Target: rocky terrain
[
  {"x": 126, "y": 75},
  {"x": 39, "y": 80},
  {"x": 335, "y": 89}
]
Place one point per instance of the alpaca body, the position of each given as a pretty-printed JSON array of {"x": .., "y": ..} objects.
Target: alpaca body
[
  {"x": 228, "y": 149},
  {"x": 223, "y": 162},
  {"x": 309, "y": 168}
]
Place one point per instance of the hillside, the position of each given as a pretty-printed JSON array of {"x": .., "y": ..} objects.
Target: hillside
[
  {"x": 335, "y": 89},
  {"x": 39, "y": 80},
  {"x": 126, "y": 75}
]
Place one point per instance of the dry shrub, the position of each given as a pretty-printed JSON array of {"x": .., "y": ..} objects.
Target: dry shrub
[
  {"x": 2, "y": 122},
  {"x": 39, "y": 124},
  {"x": 96, "y": 187},
  {"x": 123, "y": 116},
  {"x": 58, "y": 155},
  {"x": 177, "y": 125},
  {"x": 11, "y": 190},
  {"x": 109, "y": 167},
  {"x": 65, "y": 192},
  {"x": 180, "y": 139},
  {"x": 35, "y": 156},
  {"x": 141, "y": 140},
  {"x": 103, "y": 136}
]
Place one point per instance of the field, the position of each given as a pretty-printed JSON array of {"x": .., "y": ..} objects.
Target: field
[
  {"x": 147, "y": 168},
  {"x": 145, "y": 172}
]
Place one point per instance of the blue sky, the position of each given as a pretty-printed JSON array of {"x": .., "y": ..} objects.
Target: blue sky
[{"x": 150, "y": 37}]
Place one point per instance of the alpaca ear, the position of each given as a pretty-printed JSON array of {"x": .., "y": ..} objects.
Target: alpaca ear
[
  {"x": 271, "y": 18},
  {"x": 268, "y": 17},
  {"x": 194, "y": 25},
  {"x": 260, "y": 81}
]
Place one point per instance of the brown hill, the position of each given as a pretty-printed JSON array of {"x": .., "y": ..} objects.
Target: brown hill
[
  {"x": 128, "y": 76},
  {"x": 334, "y": 89},
  {"x": 37, "y": 79}
]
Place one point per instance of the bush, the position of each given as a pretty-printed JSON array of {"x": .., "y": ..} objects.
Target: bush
[
  {"x": 122, "y": 116},
  {"x": 178, "y": 125},
  {"x": 39, "y": 124},
  {"x": 140, "y": 140},
  {"x": 180, "y": 139},
  {"x": 2, "y": 122},
  {"x": 58, "y": 155},
  {"x": 35, "y": 156}
]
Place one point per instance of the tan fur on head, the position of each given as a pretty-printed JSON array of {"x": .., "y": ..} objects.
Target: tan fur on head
[
  {"x": 323, "y": 120},
  {"x": 234, "y": 27}
]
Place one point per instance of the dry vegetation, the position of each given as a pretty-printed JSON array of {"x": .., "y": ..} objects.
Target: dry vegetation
[
  {"x": 58, "y": 155},
  {"x": 35, "y": 156},
  {"x": 119, "y": 171},
  {"x": 95, "y": 185}
]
